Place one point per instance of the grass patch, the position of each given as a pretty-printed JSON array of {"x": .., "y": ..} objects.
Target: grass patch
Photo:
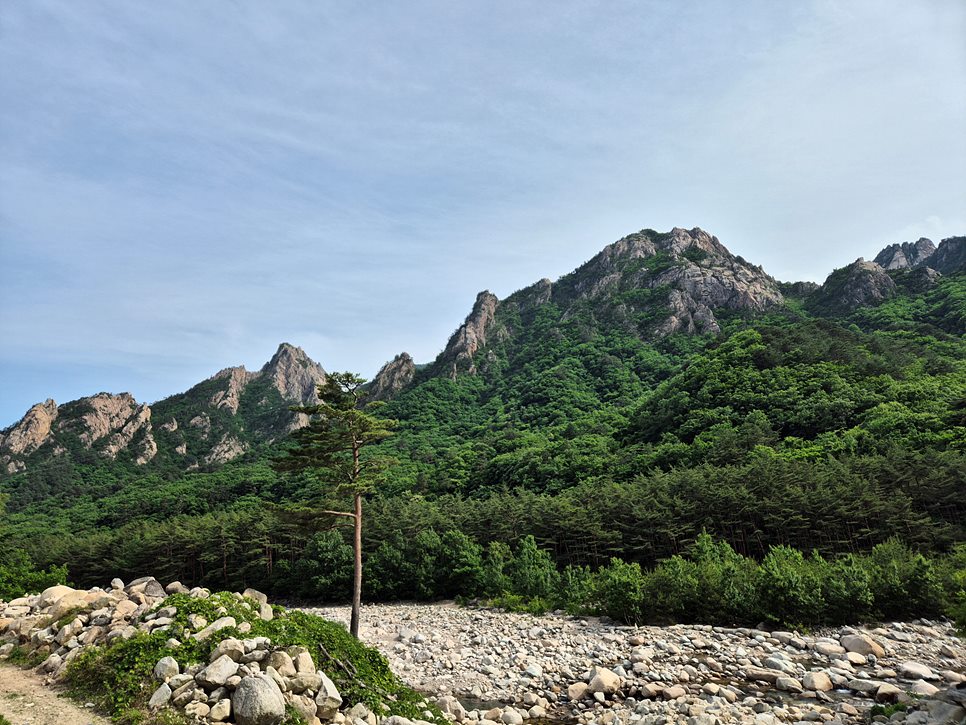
[
  {"x": 4, "y": 721},
  {"x": 25, "y": 658}
]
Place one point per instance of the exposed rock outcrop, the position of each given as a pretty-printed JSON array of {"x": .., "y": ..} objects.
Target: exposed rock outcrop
[
  {"x": 294, "y": 374},
  {"x": 32, "y": 430},
  {"x": 230, "y": 397},
  {"x": 859, "y": 284},
  {"x": 471, "y": 336},
  {"x": 950, "y": 256},
  {"x": 908, "y": 255},
  {"x": 392, "y": 377}
]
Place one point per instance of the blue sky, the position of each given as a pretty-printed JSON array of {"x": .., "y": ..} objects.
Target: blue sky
[{"x": 184, "y": 185}]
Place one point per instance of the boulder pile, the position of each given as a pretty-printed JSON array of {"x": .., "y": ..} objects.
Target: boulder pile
[{"x": 245, "y": 681}]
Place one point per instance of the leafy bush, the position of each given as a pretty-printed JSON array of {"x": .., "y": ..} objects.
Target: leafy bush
[
  {"x": 532, "y": 572},
  {"x": 904, "y": 582},
  {"x": 789, "y": 589},
  {"x": 619, "y": 590},
  {"x": 19, "y": 576}
]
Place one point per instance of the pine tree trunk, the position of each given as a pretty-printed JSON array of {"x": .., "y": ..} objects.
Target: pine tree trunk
[
  {"x": 357, "y": 579},
  {"x": 357, "y": 548}
]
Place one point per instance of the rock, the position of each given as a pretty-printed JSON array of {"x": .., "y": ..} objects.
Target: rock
[
  {"x": 788, "y": 684},
  {"x": 197, "y": 710},
  {"x": 577, "y": 691},
  {"x": 392, "y": 377},
  {"x": 762, "y": 675},
  {"x": 257, "y": 701},
  {"x": 864, "y": 687},
  {"x": 887, "y": 692},
  {"x": 511, "y": 717},
  {"x": 230, "y": 647},
  {"x": 817, "y": 681},
  {"x": 51, "y": 595},
  {"x": 222, "y": 623},
  {"x": 146, "y": 585},
  {"x": 862, "y": 644},
  {"x": 217, "y": 673},
  {"x": 604, "y": 681},
  {"x": 166, "y": 668},
  {"x": 220, "y": 711},
  {"x": 907, "y": 255},
  {"x": 117, "y": 584},
  {"x": 282, "y": 663},
  {"x": 176, "y": 588},
  {"x": 160, "y": 698},
  {"x": 916, "y": 671},
  {"x": 256, "y": 595},
  {"x": 827, "y": 648},
  {"x": 673, "y": 693},
  {"x": 328, "y": 700},
  {"x": 921, "y": 688}
]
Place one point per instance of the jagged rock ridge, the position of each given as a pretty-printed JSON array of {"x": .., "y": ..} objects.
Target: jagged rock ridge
[
  {"x": 681, "y": 276},
  {"x": 907, "y": 255},
  {"x": 213, "y": 422}
]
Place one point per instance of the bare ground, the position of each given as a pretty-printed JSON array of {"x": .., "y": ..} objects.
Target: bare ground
[{"x": 25, "y": 700}]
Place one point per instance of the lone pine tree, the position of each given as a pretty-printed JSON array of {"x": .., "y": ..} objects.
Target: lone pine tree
[{"x": 331, "y": 449}]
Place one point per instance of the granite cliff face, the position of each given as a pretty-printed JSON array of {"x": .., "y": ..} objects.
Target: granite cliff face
[
  {"x": 907, "y": 255},
  {"x": 215, "y": 421},
  {"x": 392, "y": 377},
  {"x": 950, "y": 256}
]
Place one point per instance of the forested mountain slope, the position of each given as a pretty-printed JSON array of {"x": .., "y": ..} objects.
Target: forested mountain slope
[{"x": 664, "y": 387}]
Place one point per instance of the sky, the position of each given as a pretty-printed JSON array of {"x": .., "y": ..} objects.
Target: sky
[{"x": 185, "y": 185}]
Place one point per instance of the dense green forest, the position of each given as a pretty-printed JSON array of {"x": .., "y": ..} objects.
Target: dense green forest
[{"x": 793, "y": 431}]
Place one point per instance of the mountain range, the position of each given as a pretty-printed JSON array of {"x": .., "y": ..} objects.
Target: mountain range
[{"x": 647, "y": 285}]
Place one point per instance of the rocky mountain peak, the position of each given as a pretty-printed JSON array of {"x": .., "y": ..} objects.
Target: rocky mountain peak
[
  {"x": 294, "y": 374},
  {"x": 471, "y": 335},
  {"x": 392, "y": 377},
  {"x": 27, "y": 435},
  {"x": 859, "y": 284},
  {"x": 908, "y": 255}
]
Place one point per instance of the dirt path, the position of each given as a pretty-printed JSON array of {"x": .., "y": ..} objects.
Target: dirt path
[{"x": 24, "y": 700}]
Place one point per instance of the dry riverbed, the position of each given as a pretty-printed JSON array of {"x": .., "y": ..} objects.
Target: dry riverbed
[{"x": 508, "y": 668}]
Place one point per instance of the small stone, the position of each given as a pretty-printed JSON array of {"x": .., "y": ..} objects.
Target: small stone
[
  {"x": 577, "y": 691},
  {"x": 603, "y": 680},
  {"x": 166, "y": 668},
  {"x": 220, "y": 711},
  {"x": 217, "y": 673},
  {"x": 197, "y": 710},
  {"x": 161, "y": 696},
  {"x": 511, "y": 717}
]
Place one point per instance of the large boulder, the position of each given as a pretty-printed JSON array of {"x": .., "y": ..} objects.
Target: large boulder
[
  {"x": 257, "y": 701},
  {"x": 862, "y": 644},
  {"x": 603, "y": 680}
]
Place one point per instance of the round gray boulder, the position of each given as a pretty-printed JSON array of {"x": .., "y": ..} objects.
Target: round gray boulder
[{"x": 257, "y": 701}]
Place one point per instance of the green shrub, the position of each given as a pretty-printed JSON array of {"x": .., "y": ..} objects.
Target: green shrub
[
  {"x": 789, "y": 589},
  {"x": 576, "y": 592},
  {"x": 532, "y": 572},
  {"x": 619, "y": 591},
  {"x": 19, "y": 576},
  {"x": 673, "y": 592},
  {"x": 904, "y": 583},
  {"x": 846, "y": 588}
]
